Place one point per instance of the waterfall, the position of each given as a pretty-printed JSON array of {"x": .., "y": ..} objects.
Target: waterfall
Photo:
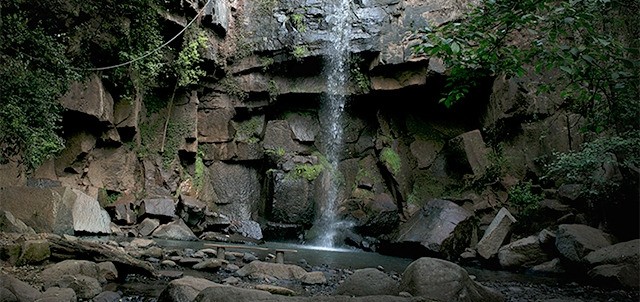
[{"x": 337, "y": 77}]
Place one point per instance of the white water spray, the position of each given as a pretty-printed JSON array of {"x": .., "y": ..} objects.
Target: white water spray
[{"x": 337, "y": 77}]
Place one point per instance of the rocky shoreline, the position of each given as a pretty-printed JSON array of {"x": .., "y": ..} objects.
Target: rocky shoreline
[{"x": 67, "y": 268}]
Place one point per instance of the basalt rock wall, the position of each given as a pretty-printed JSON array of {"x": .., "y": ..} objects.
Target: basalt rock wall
[{"x": 245, "y": 145}]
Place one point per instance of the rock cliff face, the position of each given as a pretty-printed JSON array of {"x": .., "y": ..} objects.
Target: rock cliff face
[{"x": 246, "y": 144}]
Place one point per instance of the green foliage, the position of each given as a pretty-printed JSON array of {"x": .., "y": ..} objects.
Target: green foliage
[
  {"x": 248, "y": 130},
  {"x": 176, "y": 131},
  {"x": 34, "y": 73},
  {"x": 582, "y": 41},
  {"x": 187, "y": 69},
  {"x": 307, "y": 171},
  {"x": 300, "y": 51},
  {"x": 298, "y": 22},
  {"x": 266, "y": 7},
  {"x": 198, "y": 180},
  {"x": 524, "y": 199},
  {"x": 391, "y": 159},
  {"x": 588, "y": 167},
  {"x": 273, "y": 90},
  {"x": 110, "y": 197},
  {"x": 231, "y": 87},
  {"x": 278, "y": 152}
]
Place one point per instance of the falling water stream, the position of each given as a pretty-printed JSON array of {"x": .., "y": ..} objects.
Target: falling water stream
[{"x": 337, "y": 77}]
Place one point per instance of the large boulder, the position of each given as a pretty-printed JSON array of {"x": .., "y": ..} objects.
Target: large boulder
[
  {"x": 12, "y": 289},
  {"x": 442, "y": 280},
  {"x": 257, "y": 269},
  {"x": 278, "y": 136},
  {"x": 85, "y": 287},
  {"x": 617, "y": 265},
  {"x": 231, "y": 294},
  {"x": 73, "y": 268},
  {"x": 292, "y": 201},
  {"x": 184, "y": 289},
  {"x": 158, "y": 207},
  {"x": 113, "y": 169},
  {"x": 233, "y": 189},
  {"x": 175, "y": 230},
  {"x": 91, "y": 98},
  {"x": 59, "y": 210},
  {"x": 495, "y": 234},
  {"x": 368, "y": 282},
  {"x": 575, "y": 241},
  {"x": 469, "y": 153},
  {"x": 441, "y": 227},
  {"x": 525, "y": 252}
]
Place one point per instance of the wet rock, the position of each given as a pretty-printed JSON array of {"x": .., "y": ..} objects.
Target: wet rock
[
  {"x": 495, "y": 234},
  {"x": 368, "y": 282},
  {"x": 443, "y": 281},
  {"x": 184, "y": 289},
  {"x": 257, "y": 269},
  {"x": 175, "y": 230},
  {"x": 574, "y": 241},
  {"x": 56, "y": 294},
  {"x": 441, "y": 227},
  {"x": 292, "y": 201},
  {"x": 142, "y": 243}
]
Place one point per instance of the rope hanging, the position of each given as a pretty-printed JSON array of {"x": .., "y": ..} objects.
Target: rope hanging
[{"x": 151, "y": 51}]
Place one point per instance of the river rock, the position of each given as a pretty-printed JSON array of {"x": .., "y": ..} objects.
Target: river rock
[
  {"x": 525, "y": 252},
  {"x": 617, "y": 275},
  {"x": 56, "y": 294},
  {"x": 184, "y": 289},
  {"x": 442, "y": 280},
  {"x": 231, "y": 294},
  {"x": 368, "y": 282},
  {"x": 12, "y": 289},
  {"x": 313, "y": 278},
  {"x": 210, "y": 264},
  {"x": 495, "y": 234},
  {"x": 147, "y": 226},
  {"x": 623, "y": 252},
  {"x": 72, "y": 268},
  {"x": 276, "y": 290},
  {"x": 34, "y": 252},
  {"x": 574, "y": 241},
  {"x": 257, "y": 269},
  {"x": 107, "y": 296},
  {"x": 175, "y": 230},
  {"x": 440, "y": 227},
  {"x": 85, "y": 287}
]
